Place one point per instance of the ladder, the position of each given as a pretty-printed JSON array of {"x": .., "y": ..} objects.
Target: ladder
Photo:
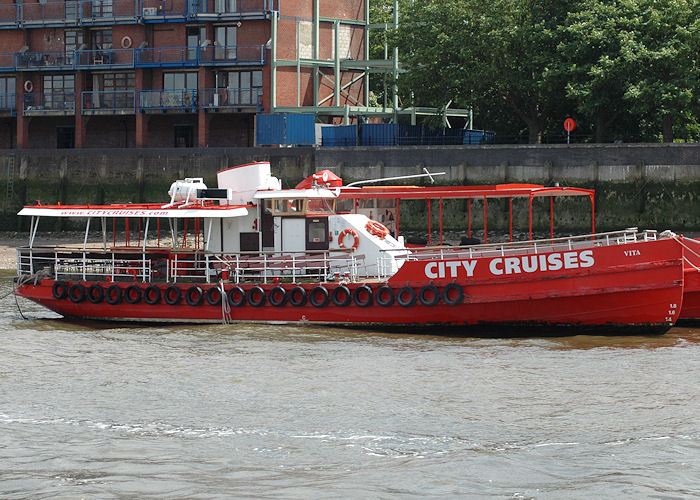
[{"x": 10, "y": 191}]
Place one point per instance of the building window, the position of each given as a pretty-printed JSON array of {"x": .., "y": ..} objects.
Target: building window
[
  {"x": 179, "y": 90},
  {"x": 101, "y": 8},
  {"x": 59, "y": 92},
  {"x": 195, "y": 37},
  {"x": 225, "y": 6},
  {"x": 243, "y": 87},
  {"x": 7, "y": 90},
  {"x": 180, "y": 81},
  {"x": 117, "y": 89},
  {"x": 101, "y": 39},
  {"x": 73, "y": 40},
  {"x": 225, "y": 41}
]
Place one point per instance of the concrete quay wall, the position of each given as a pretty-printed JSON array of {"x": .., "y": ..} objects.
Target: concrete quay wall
[{"x": 644, "y": 185}]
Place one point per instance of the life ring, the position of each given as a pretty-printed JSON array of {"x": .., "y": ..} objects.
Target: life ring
[
  {"x": 113, "y": 295},
  {"x": 351, "y": 232},
  {"x": 448, "y": 296},
  {"x": 152, "y": 295},
  {"x": 377, "y": 228},
  {"x": 132, "y": 294},
  {"x": 341, "y": 296},
  {"x": 236, "y": 296},
  {"x": 173, "y": 295},
  {"x": 60, "y": 290},
  {"x": 194, "y": 296},
  {"x": 214, "y": 296},
  {"x": 359, "y": 300},
  {"x": 95, "y": 293},
  {"x": 385, "y": 296},
  {"x": 28, "y": 86},
  {"x": 297, "y": 296},
  {"x": 406, "y": 296},
  {"x": 429, "y": 295},
  {"x": 314, "y": 296},
  {"x": 76, "y": 292},
  {"x": 277, "y": 296},
  {"x": 256, "y": 296},
  {"x": 126, "y": 42}
]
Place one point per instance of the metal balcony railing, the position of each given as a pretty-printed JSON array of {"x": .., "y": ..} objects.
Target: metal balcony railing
[
  {"x": 168, "y": 100},
  {"x": 7, "y": 103},
  {"x": 232, "y": 99},
  {"x": 46, "y": 60},
  {"x": 51, "y": 101},
  {"x": 161, "y": 57},
  {"x": 231, "y": 54},
  {"x": 115, "y": 101},
  {"x": 113, "y": 58}
]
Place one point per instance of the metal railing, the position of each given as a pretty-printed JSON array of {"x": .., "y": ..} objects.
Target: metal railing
[
  {"x": 7, "y": 102},
  {"x": 183, "y": 100},
  {"x": 44, "y": 60},
  {"x": 113, "y": 58},
  {"x": 115, "y": 100},
  {"x": 57, "y": 100},
  {"x": 233, "y": 98}
]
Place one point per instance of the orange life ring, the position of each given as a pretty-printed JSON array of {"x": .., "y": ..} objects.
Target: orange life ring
[
  {"x": 350, "y": 232},
  {"x": 377, "y": 229}
]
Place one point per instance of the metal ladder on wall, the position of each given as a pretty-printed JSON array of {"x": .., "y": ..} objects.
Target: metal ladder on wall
[{"x": 10, "y": 191}]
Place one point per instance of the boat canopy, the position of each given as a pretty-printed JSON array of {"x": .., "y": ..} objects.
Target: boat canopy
[
  {"x": 435, "y": 192},
  {"x": 133, "y": 210},
  {"x": 316, "y": 193}
]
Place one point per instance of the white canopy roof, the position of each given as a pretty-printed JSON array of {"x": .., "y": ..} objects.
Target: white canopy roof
[
  {"x": 125, "y": 211},
  {"x": 295, "y": 194}
]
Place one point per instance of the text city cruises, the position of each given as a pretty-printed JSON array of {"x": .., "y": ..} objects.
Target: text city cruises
[{"x": 249, "y": 251}]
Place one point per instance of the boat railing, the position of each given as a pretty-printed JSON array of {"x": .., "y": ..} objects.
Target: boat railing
[
  {"x": 548, "y": 245},
  {"x": 167, "y": 265}
]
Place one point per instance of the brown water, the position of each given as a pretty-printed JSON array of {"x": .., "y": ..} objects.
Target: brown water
[{"x": 90, "y": 411}]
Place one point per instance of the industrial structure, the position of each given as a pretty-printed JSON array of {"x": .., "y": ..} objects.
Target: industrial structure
[{"x": 165, "y": 73}]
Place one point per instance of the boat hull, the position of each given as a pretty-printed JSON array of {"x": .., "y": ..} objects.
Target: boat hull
[
  {"x": 691, "y": 297},
  {"x": 634, "y": 288}
]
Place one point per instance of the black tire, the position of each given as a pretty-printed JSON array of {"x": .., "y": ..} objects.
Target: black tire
[
  {"x": 132, "y": 294},
  {"x": 385, "y": 296},
  {"x": 114, "y": 295},
  {"x": 194, "y": 296},
  {"x": 346, "y": 298},
  {"x": 297, "y": 296},
  {"x": 429, "y": 295},
  {"x": 173, "y": 295},
  {"x": 256, "y": 296},
  {"x": 357, "y": 296},
  {"x": 449, "y": 298},
  {"x": 77, "y": 293},
  {"x": 152, "y": 295},
  {"x": 314, "y": 296},
  {"x": 96, "y": 294},
  {"x": 60, "y": 290},
  {"x": 214, "y": 296},
  {"x": 277, "y": 296},
  {"x": 236, "y": 296},
  {"x": 406, "y": 297}
]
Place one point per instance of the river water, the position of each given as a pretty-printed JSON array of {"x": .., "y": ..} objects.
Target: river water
[{"x": 94, "y": 411}]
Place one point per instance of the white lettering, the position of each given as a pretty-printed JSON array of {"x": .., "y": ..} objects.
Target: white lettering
[
  {"x": 530, "y": 263},
  {"x": 554, "y": 260},
  {"x": 512, "y": 265},
  {"x": 453, "y": 265},
  {"x": 586, "y": 258},
  {"x": 441, "y": 269},
  {"x": 492, "y": 266},
  {"x": 570, "y": 260},
  {"x": 543, "y": 262},
  {"x": 469, "y": 267},
  {"x": 430, "y": 270}
]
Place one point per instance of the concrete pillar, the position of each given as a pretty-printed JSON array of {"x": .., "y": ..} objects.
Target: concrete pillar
[
  {"x": 22, "y": 121},
  {"x": 141, "y": 119},
  {"x": 80, "y": 121}
]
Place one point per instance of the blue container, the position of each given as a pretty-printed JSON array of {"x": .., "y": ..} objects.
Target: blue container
[
  {"x": 300, "y": 129},
  {"x": 269, "y": 130},
  {"x": 282, "y": 129},
  {"x": 341, "y": 135},
  {"x": 379, "y": 134}
]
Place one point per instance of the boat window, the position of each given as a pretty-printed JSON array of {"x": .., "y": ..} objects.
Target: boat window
[
  {"x": 320, "y": 206},
  {"x": 345, "y": 205},
  {"x": 288, "y": 207}
]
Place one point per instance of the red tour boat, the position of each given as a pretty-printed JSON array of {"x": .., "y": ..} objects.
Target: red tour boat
[{"x": 249, "y": 251}]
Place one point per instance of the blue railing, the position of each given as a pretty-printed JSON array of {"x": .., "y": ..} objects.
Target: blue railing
[
  {"x": 164, "y": 100},
  {"x": 90, "y": 12},
  {"x": 199, "y": 56},
  {"x": 114, "y": 58},
  {"x": 234, "y": 99},
  {"x": 7, "y": 103},
  {"x": 122, "y": 101},
  {"x": 47, "y": 60},
  {"x": 41, "y": 102}
]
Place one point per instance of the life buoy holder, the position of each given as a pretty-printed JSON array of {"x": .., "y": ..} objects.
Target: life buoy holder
[
  {"x": 126, "y": 42},
  {"x": 28, "y": 86},
  {"x": 348, "y": 232},
  {"x": 341, "y": 296},
  {"x": 256, "y": 296},
  {"x": 319, "y": 296},
  {"x": 60, "y": 290},
  {"x": 236, "y": 296},
  {"x": 76, "y": 293},
  {"x": 152, "y": 295},
  {"x": 297, "y": 296},
  {"x": 377, "y": 228},
  {"x": 363, "y": 296},
  {"x": 95, "y": 293},
  {"x": 385, "y": 296}
]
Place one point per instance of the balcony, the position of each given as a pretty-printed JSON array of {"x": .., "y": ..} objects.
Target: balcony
[
  {"x": 228, "y": 55},
  {"x": 183, "y": 101},
  {"x": 117, "y": 102},
  {"x": 215, "y": 10},
  {"x": 232, "y": 100},
  {"x": 99, "y": 59},
  {"x": 166, "y": 57},
  {"x": 41, "y": 61},
  {"x": 182, "y": 57},
  {"x": 57, "y": 102},
  {"x": 7, "y": 104}
]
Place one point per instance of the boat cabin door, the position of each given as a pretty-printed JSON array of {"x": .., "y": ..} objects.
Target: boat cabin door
[{"x": 317, "y": 233}]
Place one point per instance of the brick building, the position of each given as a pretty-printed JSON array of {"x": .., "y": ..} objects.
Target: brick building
[{"x": 164, "y": 73}]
